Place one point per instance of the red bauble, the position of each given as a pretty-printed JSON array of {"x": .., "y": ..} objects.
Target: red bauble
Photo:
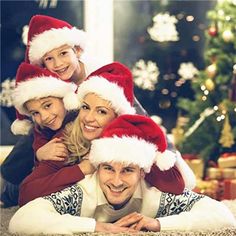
[{"x": 212, "y": 31}]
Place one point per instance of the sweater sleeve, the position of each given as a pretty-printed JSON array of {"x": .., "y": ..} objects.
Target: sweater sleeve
[
  {"x": 166, "y": 181},
  {"x": 46, "y": 178},
  {"x": 206, "y": 214},
  {"x": 39, "y": 216}
]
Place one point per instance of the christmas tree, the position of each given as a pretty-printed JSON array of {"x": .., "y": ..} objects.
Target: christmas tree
[{"x": 211, "y": 127}]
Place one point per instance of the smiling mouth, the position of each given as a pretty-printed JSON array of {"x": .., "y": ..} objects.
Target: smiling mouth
[
  {"x": 62, "y": 70},
  {"x": 116, "y": 191},
  {"x": 90, "y": 128},
  {"x": 51, "y": 121}
]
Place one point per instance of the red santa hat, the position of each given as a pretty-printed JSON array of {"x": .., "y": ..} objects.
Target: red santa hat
[
  {"x": 47, "y": 33},
  {"x": 132, "y": 139},
  {"x": 33, "y": 82},
  {"x": 112, "y": 82}
]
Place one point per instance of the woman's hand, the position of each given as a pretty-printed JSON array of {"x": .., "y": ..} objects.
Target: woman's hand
[
  {"x": 54, "y": 150},
  {"x": 86, "y": 167}
]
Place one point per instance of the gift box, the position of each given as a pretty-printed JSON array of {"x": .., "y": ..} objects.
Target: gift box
[
  {"x": 211, "y": 188},
  {"x": 195, "y": 163},
  {"x": 229, "y": 189},
  {"x": 221, "y": 173},
  {"x": 227, "y": 160}
]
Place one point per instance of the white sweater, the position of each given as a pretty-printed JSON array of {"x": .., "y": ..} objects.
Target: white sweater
[{"x": 77, "y": 208}]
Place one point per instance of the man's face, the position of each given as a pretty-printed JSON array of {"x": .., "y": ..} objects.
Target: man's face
[{"x": 119, "y": 181}]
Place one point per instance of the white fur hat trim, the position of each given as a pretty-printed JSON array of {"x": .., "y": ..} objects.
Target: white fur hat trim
[
  {"x": 128, "y": 150},
  {"x": 106, "y": 90},
  {"x": 52, "y": 39}
]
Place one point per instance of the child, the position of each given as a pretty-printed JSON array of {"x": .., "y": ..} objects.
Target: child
[{"x": 104, "y": 95}]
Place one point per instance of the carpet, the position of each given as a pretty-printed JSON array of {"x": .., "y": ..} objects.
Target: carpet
[{"x": 7, "y": 213}]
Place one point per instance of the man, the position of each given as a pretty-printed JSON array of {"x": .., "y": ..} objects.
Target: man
[{"x": 116, "y": 198}]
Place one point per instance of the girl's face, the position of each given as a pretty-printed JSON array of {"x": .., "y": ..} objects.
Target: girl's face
[
  {"x": 47, "y": 112},
  {"x": 64, "y": 61},
  {"x": 95, "y": 113}
]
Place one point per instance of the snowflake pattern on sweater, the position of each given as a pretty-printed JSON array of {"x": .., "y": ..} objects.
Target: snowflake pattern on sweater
[
  {"x": 67, "y": 201},
  {"x": 171, "y": 204}
]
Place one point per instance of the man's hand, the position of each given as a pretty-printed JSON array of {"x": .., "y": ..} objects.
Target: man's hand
[
  {"x": 54, "y": 150},
  {"x": 86, "y": 167},
  {"x": 139, "y": 222},
  {"x": 112, "y": 228}
]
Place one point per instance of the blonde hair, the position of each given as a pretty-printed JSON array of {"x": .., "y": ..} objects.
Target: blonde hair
[{"x": 76, "y": 144}]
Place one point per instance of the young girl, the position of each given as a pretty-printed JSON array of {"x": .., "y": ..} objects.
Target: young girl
[{"x": 104, "y": 95}]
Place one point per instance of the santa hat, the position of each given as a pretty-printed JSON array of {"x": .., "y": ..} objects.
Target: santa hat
[
  {"x": 47, "y": 33},
  {"x": 112, "y": 82},
  {"x": 131, "y": 139},
  {"x": 33, "y": 82}
]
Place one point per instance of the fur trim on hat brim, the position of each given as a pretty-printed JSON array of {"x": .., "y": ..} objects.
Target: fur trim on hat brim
[
  {"x": 41, "y": 87},
  {"x": 111, "y": 92},
  {"x": 52, "y": 39},
  {"x": 127, "y": 150},
  {"x": 165, "y": 160},
  {"x": 21, "y": 127}
]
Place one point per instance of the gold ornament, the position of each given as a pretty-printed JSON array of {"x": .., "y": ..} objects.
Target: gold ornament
[
  {"x": 209, "y": 84},
  {"x": 211, "y": 70},
  {"x": 227, "y": 137},
  {"x": 227, "y": 36}
]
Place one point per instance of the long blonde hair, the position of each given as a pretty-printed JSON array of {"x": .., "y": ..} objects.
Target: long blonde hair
[{"x": 76, "y": 144}]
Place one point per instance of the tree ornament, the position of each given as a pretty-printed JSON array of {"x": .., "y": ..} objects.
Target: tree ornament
[
  {"x": 211, "y": 70},
  {"x": 210, "y": 85},
  {"x": 212, "y": 31},
  {"x": 228, "y": 36},
  {"x": 164, "y": 29},
  {"x": 227, "y": 137},
  {"x": 145, "y": 74}
]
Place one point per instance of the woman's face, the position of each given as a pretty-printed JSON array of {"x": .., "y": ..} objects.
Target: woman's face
[{"x": 95, "y": 113}]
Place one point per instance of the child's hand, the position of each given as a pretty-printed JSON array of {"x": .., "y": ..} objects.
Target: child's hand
[
  {"x": 54, "y": 150},
  {"x": 86, "y": 167}
]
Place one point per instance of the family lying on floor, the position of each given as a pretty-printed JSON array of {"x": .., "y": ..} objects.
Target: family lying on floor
[{"x": 94, "y": 161}]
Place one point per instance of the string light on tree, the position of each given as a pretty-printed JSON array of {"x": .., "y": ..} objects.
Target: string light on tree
[{"x": 228, "y": 36}]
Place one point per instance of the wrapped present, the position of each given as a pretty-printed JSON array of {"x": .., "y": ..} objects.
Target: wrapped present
[
  {"x": 228, "y": 173},
  {"x": 227, "y": 160},
  {"x": 229, "y": 189},
  {"x": 221, "y": 173},
  {"x": 195, "y": 163},
  {"x": 211, "y": 188}
]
